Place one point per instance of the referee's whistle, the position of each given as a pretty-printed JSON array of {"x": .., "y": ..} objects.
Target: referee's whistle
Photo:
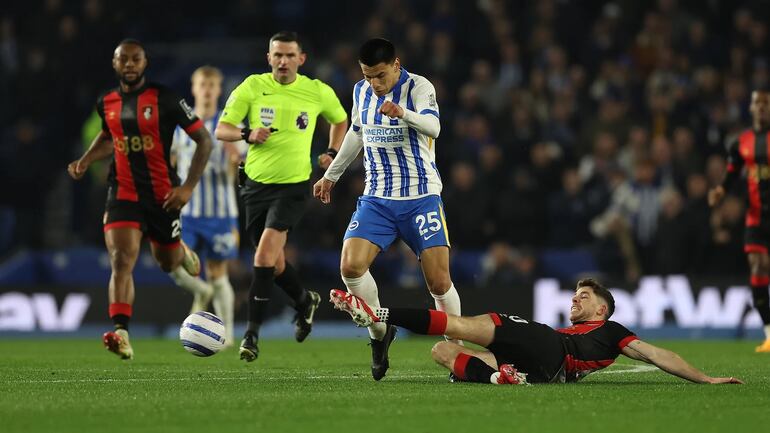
[{"x": 273, "y": 129}]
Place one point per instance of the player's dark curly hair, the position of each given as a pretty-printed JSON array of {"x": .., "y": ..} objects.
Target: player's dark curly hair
[
  {"x": 376, "y": 51},
  {"x": 600, "y": 291}
]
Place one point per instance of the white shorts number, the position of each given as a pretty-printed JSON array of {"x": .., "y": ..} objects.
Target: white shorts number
[
  {"x": 516, "y": 319},
  {"x": 176, "y": 228},
  {"x": 431, "y": 218}
]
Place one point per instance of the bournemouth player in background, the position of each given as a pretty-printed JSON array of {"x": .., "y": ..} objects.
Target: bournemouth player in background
[
  {"x": 519, "y": 351},
  {"x": 210, "y": 219},
  {"x": 752, "y": 151},
  {"x": 144, "y": 197}
]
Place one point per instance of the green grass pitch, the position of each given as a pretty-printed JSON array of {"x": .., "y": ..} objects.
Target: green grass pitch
[{"x": 325, "y": 386}]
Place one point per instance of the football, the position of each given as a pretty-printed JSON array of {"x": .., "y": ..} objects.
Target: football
[{"x": 202, "y": 334}]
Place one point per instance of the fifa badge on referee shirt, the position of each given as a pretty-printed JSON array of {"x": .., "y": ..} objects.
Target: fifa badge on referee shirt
[{"x": 267, "y": 115}]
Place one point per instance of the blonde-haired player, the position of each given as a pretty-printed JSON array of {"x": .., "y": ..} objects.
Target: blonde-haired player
[{"x": 210, "y": 219}]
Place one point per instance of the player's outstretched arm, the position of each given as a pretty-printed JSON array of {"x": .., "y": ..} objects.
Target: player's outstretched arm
[
  {"x": 671, "y": 363},
  {"x": 179, "y": 196},
  {"x": 101, "y": 148}
]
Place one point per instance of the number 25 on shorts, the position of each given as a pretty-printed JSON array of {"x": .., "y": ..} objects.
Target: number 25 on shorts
[{"x": 431, "y": 219}]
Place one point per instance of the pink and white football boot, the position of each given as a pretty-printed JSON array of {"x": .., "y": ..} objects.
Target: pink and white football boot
[{"x": 361, "y": 313}]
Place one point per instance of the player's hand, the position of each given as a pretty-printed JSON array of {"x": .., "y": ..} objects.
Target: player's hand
[
  {"x": 715, "y": 195},
  {"x": 322, "y": 190},
  {"x": 718, "y": 380},
  {"x": 324, "y": 160},
  {"x": 77, "y": 169},
  {"x": 390, "y": 109},
  {"x": 259, "y": 135},
  {"x": 177, "y": 198}
]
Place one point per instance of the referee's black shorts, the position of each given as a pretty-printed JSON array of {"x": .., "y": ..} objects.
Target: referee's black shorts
[
  {"x": 275, "y": 206},
  {"x": 531, "y": 347}
]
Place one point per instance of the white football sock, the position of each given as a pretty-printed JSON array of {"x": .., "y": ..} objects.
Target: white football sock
[
  {"x": 366, "y": 288},
  {"x": 194, "y": 285},
  {"x": 224, "y": 303},
  {"x": 767, "y": 332},
  {"x": 449, "y": 303}
]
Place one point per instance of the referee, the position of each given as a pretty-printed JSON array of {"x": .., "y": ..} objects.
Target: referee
[{"x": 281, "y": 107}]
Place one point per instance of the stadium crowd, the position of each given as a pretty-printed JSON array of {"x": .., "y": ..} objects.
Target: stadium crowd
[{"x": 566, "y": 125}]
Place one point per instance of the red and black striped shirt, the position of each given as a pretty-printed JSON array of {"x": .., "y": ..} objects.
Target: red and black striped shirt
[
  {"x": 592, "y": 345},
  {"x": 141, "y": 124},
  {"x": 750, "y": 151}
]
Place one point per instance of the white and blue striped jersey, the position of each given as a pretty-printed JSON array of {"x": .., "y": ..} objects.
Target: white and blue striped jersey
[
  {"x": 214, "y": 196},
  {"x": 400, "y": 162}
]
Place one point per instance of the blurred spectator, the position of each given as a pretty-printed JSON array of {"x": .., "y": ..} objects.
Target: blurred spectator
[
  {"x": 505, "y": 266},
  {"x": 641, "y": 97},
  {"x": 569, "y": 213}
]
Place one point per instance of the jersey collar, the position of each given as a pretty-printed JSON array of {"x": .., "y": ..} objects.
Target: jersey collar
[
  {"x": 284, "y": 86},
  {"x": 590, "y": 322}
]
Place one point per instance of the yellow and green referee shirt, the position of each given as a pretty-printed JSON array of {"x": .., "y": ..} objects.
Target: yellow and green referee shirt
[{"x": 290, "y": 108}]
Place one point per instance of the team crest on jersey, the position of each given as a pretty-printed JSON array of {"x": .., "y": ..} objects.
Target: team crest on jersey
[
  {"x": 353, "y": 225},
  {"x": 267, "y": 115},
  {"x": 147, "y": 112},
  {"x": 302, "y": 120}
]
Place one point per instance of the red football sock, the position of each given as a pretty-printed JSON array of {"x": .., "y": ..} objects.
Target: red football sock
[{"x": 120, "y": 313}]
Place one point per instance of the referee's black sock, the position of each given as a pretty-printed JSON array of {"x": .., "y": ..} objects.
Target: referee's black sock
[
  {"x": 471, "y": 369},
  {"x": 259, "y": 297},
  {"x": 290, "y": 283},
  {"x": 426, "y": 322}
]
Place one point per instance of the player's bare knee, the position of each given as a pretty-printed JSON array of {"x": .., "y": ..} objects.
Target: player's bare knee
[
  {"x": 122, "y": 260},
  {"x": 351, "y": 268},
  {"x": 444, "y": 352}
]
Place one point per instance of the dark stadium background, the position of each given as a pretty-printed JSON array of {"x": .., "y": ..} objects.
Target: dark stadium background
[{"x": 577, "y": 137}]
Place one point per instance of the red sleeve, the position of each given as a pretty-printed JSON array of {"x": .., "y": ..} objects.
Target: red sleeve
[
  {"x": 626, "y": 341},
  {"x": 198, "y": 124},
  {"x": 619, "y": 334}
]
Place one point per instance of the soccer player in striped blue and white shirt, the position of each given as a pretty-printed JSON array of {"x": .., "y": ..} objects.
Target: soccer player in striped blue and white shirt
[
  {"x": 210, "y": 218},
  {"x": 395, "y": 120}
]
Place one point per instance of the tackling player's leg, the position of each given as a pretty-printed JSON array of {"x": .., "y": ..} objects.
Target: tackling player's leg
[
  {"x": 123, "y": 244},
  {"x": 466, "y": 364}
]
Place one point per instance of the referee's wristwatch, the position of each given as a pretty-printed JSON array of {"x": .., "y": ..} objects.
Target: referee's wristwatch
[{"x": 245, "y": 132}]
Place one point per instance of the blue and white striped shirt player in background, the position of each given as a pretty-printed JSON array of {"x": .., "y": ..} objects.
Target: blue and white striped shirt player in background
[
  {"x": 395, "y": 120},
  {"x": 210, "y": 218}
]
